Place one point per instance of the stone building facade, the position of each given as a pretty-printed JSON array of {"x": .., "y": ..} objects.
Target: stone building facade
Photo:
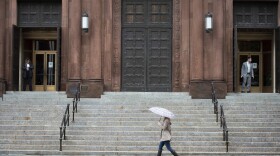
[{"x": 140, "y": 45}]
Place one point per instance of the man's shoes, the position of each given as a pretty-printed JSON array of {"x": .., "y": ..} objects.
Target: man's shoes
[
  {"x": 249, "y": 91},
  {"x": 242, "y": 92}
]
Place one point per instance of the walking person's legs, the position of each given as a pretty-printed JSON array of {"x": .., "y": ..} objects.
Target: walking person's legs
[
  {"x": 161, "y": 144},
  {"x": 168, "y": 146},
  {"x": 244, "y": 83},
  {"x": 24, "y": 85},
  {"x": 30, "y": 84},
  {"x": 249, "y": 83}
]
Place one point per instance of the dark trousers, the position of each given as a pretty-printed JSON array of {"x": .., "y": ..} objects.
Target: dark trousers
[
  {"x": 27, "y": 81},
  {"x": 167, "y": 144}
]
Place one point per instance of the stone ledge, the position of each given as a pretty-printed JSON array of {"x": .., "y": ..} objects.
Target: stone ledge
[
  {"x": 88, "y": 88},
  {"x": 203, "y": 89}
]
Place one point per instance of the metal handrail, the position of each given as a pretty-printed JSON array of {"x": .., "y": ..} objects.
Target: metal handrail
[
  {"x": 75, "y": 104},
  {"x": 76, "y": 98},
  {"x": 223, "y": 125},
  {"x": 215, "y": 102},
  {"x": 64, "y": 123}
]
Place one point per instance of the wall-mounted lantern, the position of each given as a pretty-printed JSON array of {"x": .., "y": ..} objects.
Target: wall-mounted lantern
[
  {"x": 85, "y": 22},
  {"x": 209, "y": 22}
]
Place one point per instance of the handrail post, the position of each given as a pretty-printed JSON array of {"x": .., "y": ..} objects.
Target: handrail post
[
  {"x": 227, "y": 139},
  {"x": 73, "y": 110},
  {"x": 68, "y": 115},
  {"x": 64, "y": 132},
  {"x": 60, "y": 139},
  {"x": 76, "y": 107},
  {"x": 79, "y": 91}
]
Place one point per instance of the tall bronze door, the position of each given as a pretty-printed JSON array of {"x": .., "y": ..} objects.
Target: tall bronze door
[
  {"x": 45, "y": 71},
  {"x": 146, "y": 45}
]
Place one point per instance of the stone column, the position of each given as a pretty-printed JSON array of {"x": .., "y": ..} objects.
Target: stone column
[
  {"x": 107, "y": 44},
  {"x": 2, "y": 37},
  {"x": 228, "y": 74},
  {"x": 64, "y": 43},
  {"x": 11, "y": 19},
  {"x": 74, "y": 46},
  {"x": 92, "y": 83},
  {"x": 196, "y": 42},
  {"x": 208, "y": 49},
  {"x": 185, "y": 52},
  {"x": 2, "y": 42}
]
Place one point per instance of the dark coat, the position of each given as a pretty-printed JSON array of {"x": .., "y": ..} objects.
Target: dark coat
[{"x": 25, "y": 73}]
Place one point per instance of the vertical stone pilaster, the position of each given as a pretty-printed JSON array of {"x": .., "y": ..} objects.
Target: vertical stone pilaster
[
  {"x": 64, "y": 43},
  {"x": 74, "y": 46},
  {"x": 176, "y": 68},
  {"x": 2, "y": 37},
  {"x": 228, "y": 61},
  {"x": 74, "y": 60},
  {"x": 116, "y": 52},
  {"x": 185, "y": 48},
  {"x": 107, "y": 44}
]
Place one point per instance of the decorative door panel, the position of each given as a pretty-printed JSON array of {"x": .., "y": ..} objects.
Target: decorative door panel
[
  {"x": 159, "y": 60},
  {"x": 39, "y": 13},
  {"x": 133, "y": 59},
  {"x": 146, "y": 45},
  {"x": 255, "y": 14}
]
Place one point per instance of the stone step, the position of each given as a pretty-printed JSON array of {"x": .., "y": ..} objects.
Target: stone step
[
  {"x": 256, "y": 108},
  {"x": 245, "y": 120},
  {"x": 144, "y": 123},
  {"x": 120, "y": 128},
  {"x": 253, "y": 124},
  {"x": 108, "y": 123},
  {"x": 251, "y": 112},
  {"x": 254, "y": 139},
  {"x": 255, "y": 149},
  {"x": 254, "y": 134},
  {"x": 109, "y": 138},
  {"x": 109, "y": 143},
  {"x": 129, "y": 153},
  {"x": 175, "y": 128},
  {"x": 84, "y": 112},
  {"x": 193, "y": 114},
  {"x": 7, "y": 107},
  {"x": 113, "y": 148},
  {"x": 160, "y": 95},
  {"x": 111, "y": 133},
  {"x": 111, "y": 119}
]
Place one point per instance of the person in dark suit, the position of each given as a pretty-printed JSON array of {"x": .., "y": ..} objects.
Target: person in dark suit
[
  {"x": 247, "y": 73},
  {"x": 27, "y": 74}
]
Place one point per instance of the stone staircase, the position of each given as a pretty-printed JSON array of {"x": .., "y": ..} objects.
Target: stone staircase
[
  {"x": 116, "y": 124},
  {"x": 120, "y": 124},
  {"x": 254, "y": 123},
  {"x": 29, "y": 122}
]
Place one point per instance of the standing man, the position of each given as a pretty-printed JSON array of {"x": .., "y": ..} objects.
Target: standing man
[
  {"x": 27, "y": 74},
  {"x": 247, "y": 73}
]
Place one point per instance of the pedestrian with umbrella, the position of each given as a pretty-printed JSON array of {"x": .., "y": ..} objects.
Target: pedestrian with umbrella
[{"x": 165, "y": 127}]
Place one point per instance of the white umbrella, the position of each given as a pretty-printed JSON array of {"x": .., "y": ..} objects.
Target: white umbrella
[{"x": 162, "y": 112}]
